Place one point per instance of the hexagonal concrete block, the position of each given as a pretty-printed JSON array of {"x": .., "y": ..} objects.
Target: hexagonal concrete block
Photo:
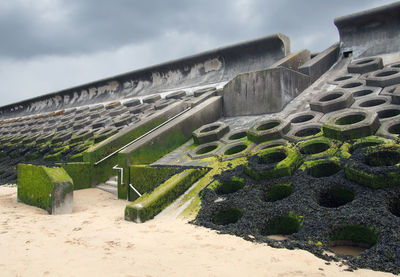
[
  {"x": 365, "y": 65},
  {"x": 205, "y": 150},
  {"x": 388, "y": 112},
  {"x": 390, "y": 129},
  {"x": 351, "y": 124},
  {"x": 304, "y": 132},
  {"x": 304, "y": 117},
  {"x": 375, "y": 166},
  {"x": 339, "y": 79},
  {"x": 365, "y": 91},
  {"x": 370, "y": 102},
  {"x": 393, "y": 92},
  {"x": 384, "y": 77},
  {"x": 210, "y": 132},
  {"x": 332, "y": 101},
  {"x": 269, "y": 129},
  {"x": 352, "y": 84},
  {"x": 234, "y": 136}
]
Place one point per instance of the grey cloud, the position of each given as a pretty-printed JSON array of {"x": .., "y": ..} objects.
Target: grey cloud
[{"x": 101, "y": 25}]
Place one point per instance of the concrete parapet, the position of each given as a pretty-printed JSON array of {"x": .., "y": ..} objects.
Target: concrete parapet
[
  {"x": 214, "y": 66},
  {"x": 320, "y": 63},
  {"x": 371, "y": 32},
  {"x": 260, "y": 92}
]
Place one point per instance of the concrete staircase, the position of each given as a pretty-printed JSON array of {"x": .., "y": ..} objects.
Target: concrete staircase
[{"x": 110, "y": 186}]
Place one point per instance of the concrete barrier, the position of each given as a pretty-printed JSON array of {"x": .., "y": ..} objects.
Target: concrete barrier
[
  {"x": 209, "y": 67},
  {"x": 371, "y": 32}
]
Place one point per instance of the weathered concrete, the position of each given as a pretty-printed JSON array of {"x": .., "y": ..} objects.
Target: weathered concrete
[
  {"x": 371, "y": 32},
  {"x": 294, "y": 60},
  {"x": 206, "y": 112},
  {"x": 214, "y": 66},
  {"x": 261, "y": 92},
  {"x": 320, "y": 63}
]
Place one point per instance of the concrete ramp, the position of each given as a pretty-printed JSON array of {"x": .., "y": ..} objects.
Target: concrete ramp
[
  {"x": 371, "y": 32},
  {"x": 211, "y": 67}
]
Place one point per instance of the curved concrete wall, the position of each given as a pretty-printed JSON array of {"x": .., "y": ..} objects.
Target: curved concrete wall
[
  {"x": 210, "y": 67},
  {"x": 371, "y": 32}
]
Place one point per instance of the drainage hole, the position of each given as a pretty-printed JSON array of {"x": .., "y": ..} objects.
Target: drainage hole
[
  {"x": 267, "y": 126},
  {"x": 352, "y": 239},
  {"x": 273, "y": 157},
  {"x": 386, "y": 73},
  {"x": 210, "y": 128},
  {"x": 388, "y": 113},
  {"x": 364, "y": 61},
  {"x": 342, "y": 78},
  {"x": 302, "y": 118},
  {"x": 227, "y": 216},
  {"x": 350, "y": 119},
  {"x": 360, "y": 145},
  {"x": 395, "y": 207},
  {"x": 323, "y": 169},
  {"x": 383, "y": 158},
  {"x": 352, "y": 85},
  {"x": 362, "y": 92},
  {"x": 238, "y": 135},
  {"x": 335, "y": 197},
  {"x": 282, "y": 225},
  {"x": 314, "y": 148},
  {"x": 372, "y": 103},
  {"x": 395, "y": 129},
  {"x": 306, "y": 132},
  {"x": 235, "y": 149},
  {"x": 230, "y": 186},
  {"x": 206, "y": 149},
  {"x": 278, "y": 192},
  {"x": 330, "y": 97}
]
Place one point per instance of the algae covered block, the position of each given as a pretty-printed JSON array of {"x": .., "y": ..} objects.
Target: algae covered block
[
  {"x": 150, "y": 204},
  {"x": 49, "y": 188},
  {"x": 80, "y": 173},
  {"x": 145, "y": 178}
]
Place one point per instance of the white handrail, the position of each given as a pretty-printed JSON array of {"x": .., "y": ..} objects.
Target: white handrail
[
  {"x": 122, "y": 172},
  {"x": 132, "y": 187}
]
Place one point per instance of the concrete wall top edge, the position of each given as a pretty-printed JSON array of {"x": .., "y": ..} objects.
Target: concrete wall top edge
[{"x": 216, "y": 65}]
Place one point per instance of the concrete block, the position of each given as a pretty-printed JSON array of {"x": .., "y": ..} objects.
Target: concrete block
[{"x": 260, "y": 92}]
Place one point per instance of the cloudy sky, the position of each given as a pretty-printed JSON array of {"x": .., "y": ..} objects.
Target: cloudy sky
[{"x": 49, "y": 45}]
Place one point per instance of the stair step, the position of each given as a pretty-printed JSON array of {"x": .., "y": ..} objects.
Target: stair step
[
  {"x": 112, "y": 183},
  {"x": 107, "y": 188}
]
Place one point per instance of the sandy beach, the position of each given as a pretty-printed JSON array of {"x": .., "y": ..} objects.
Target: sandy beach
[{"x": 95, "y": 240}]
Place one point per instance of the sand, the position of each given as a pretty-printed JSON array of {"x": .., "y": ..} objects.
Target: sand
[{"x": 95, "y": 240}]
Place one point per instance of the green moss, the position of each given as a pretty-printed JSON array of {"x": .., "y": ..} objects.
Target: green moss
[
  {"x": 216, "y": 167},
  {"x": 227, "y": 216},
  {"x": 376, "y": 156},
  {"x": 286, "y": 159},
  {"x": 283, "y": 225},
  {"x": 80, "y": 174},
  {"x": 150, "y": 204},
  {"x": 318, "y": 147},
  {"x": 76, "y": 158},
  {"x": 152, "y": 152},
  {"x": 115, "y": 142},
  {"x": 322, "y": 167},
  {"x": 356, "y": 233},
  {"x": 227, "y": 186},
  {"x": 206, "y": 149},
  {"x": 37, "y": 185},
  {"x": 349, "y": 147},
  {"x": 278, "y": 192},
  {"x": 145, "y": 178}
]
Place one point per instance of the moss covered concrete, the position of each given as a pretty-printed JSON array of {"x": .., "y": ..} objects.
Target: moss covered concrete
[
  {"x": 43, "y": 187},
  {"x": 150, "y": 204}
]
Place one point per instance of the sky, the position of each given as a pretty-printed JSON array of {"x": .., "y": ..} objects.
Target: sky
[{"x": 50, "y": 45}]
